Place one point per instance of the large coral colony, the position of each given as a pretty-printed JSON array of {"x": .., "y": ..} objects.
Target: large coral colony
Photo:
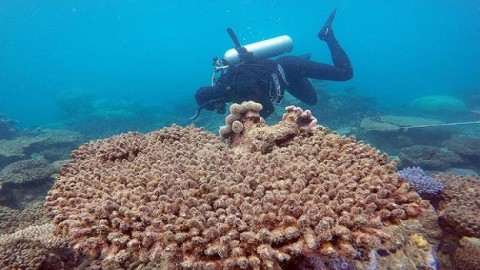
[{"x": 181, "y": 198}]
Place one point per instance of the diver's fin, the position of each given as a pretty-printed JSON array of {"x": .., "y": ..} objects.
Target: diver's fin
[
  {"x": 329, "y": 21},
  {"x": 327, "y": 27}
]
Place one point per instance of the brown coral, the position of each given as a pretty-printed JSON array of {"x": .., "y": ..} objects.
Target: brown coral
[
  {"x": 13, "y": 219},
  {"x": 460, "y": 207},
  {"x": 242, "y": 118},
  {"x": 467, "y": 254},
  {"x": 181, "y": 195},
  {"x": 39, "y": 140},
  {"x": 8, "y": 219},
  {"x": 428, "y": 157},
  {"x": 35, "y": 247},
  {"x": 245, "y": 130},
  {"x": 465, "y": 146},
  {"x": 26, "y": 171}
]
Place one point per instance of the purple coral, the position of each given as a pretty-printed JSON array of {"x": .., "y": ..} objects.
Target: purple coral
[{"x": 423, "y": 184}]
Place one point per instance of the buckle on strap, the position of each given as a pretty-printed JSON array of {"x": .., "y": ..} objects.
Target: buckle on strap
[
  {"x": 276, "y": 92},
  {"x": 276, "y": 96}
]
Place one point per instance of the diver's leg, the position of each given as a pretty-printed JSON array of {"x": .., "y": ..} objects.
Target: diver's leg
[
  {"x": 301, "y": 67},
  {"x": 304, "y": 68},
  {"x": 303, "y": 90},
  {"x": 339, "y": 57},
  {"x": 297, "y": 83}
]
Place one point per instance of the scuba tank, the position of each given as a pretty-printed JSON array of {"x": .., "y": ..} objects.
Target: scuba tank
[{"x": 262, "y": 49}]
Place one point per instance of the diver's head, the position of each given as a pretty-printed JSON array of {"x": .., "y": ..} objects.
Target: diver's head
[{"x": 210, "y": 98}]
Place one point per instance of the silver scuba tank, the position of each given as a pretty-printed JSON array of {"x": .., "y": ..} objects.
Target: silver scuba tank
[{"x": 262, "y": 49}]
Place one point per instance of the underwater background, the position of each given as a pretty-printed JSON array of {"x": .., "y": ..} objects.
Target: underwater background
[{"x": 159, "y": 52}]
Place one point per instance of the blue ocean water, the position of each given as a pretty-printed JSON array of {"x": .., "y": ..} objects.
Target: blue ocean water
[{"x": 159, "y": 52}]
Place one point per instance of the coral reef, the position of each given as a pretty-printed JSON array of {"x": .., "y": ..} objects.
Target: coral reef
[
  {"x": 242, "y": 117},
  {"x": 388, "y": 123},
  {"x": 316, "y": 262},
  {"x": 256, "y": 136},
  {"x": 26, "y": 181},
  {"x": 8, "y": 219},
  {"x": 7, "y": 127},
  {"x": 35, "y": 247},
  {"x": 27, "y": 162},
  {"x": 439, "y": 103},
  {"x": 428, "y": 157},
  {"x": 37, "y": 142},
  {"x": 75, "y": 102},
  {"x": 425, "y": 186},
  {"x": 26, "y": 171},
  {"x": 466, "y": 147},
  {"x": 460, "y": 207},
  {"x": 273, "y": 194},
  {"x": 338, "y": 108},
  {"x": 407, "y": 248},
  {"x": 467, "y": 254},
  {"x": 391, "y": 132},
  {"x": 102, "y": 118},
  {"x": 14, "y": 219}
]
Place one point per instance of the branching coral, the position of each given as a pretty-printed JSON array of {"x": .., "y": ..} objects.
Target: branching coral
[
  {"x": 425, "y": 186},
  {"x": 274, "y": 193}
]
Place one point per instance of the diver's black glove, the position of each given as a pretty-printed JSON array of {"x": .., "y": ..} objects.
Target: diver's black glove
[{"x": 326, "y": 33}]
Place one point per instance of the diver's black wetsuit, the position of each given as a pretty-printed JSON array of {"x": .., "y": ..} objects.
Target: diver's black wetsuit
[{"x": 257, "y": 79}]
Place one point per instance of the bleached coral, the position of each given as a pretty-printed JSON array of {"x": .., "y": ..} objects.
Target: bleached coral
[{"x": 273, "y": 194}]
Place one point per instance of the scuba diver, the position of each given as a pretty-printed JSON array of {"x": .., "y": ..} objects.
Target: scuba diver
[{"x": 247, "y": 74}]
